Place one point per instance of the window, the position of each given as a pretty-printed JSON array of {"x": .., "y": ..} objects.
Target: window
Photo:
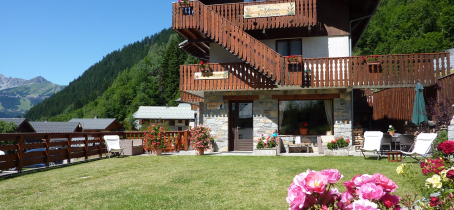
[
  {"x": 289, "y": 47},
  {"x": 318, "y": 114}
]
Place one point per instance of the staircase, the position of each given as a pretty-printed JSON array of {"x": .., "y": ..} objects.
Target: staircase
[{"x": 196, "y": 21}]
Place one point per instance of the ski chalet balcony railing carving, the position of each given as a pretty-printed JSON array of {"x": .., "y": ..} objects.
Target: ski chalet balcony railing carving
[
  {"x": 198, "y": 21},
  {"x": 392, "y": 71}
]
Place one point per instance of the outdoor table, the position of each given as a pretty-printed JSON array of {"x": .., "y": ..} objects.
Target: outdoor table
[
  {"x": 299, "y": 147},
  {"x": 394, "y": 156}
]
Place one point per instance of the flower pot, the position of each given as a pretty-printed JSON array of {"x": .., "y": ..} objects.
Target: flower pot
[
  {"x": 373, "y": 63},
  {"x": 157, "y": 151},
  {"x": 391, "y": 133},
  {"x": 303, "y": 131},
  {"x": 184, "y": 4},
  {"x": 199, "y": 151}
]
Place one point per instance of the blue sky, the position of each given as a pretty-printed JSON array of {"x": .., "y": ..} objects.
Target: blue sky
[{"x": 59, "y": 40}]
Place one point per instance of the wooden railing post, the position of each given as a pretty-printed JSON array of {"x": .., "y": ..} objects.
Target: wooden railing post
[
  {"x": 86, "y": 146},
  {"x": 69, "y": 149},
  {"x": 100, "y": 145},
  {"x": 20, "y": 152},
  {"x": 47, "y": 150},
  {"x": 186, "y": 140}
]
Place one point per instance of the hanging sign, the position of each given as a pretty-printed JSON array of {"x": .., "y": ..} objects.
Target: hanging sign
[
  {"x": 215, "y": 105},
  {"x": 269, "y": 10},
  {"x": 211, "y": 75}
]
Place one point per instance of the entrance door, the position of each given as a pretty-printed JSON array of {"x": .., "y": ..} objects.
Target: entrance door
[{"x": 240, "y": 126}]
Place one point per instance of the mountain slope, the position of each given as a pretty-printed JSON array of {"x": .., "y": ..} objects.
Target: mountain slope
[
  {"x": 96, "y": 79},
  {"x": 24, "y": 94},
  {"x": 410, "y": 26},
  {"x": 8, "y": 82}
]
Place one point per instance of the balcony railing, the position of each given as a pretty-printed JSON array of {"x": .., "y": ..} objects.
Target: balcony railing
[
  {"x": 391, "y": 71},
  {"x": 305, "y": 15}
]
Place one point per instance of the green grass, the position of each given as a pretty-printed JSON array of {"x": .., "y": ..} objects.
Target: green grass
[{"x": 179, "y": 182}]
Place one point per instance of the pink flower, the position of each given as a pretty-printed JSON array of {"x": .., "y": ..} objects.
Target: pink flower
[
  {"x": 370, "y": 191},
  {"x": 324, "y": 208},
  {"x": 295, "y": 197},
  {"x": 390, "y": 200},
  {"x": 316, "y": 182},
  {"x": 387, "y": 184},
  {"x": 347, "y": 196},
  {"x": 362, "y": 205},
  {"x": 363, "y": 179},
  {"x": 333, "y": 175}
]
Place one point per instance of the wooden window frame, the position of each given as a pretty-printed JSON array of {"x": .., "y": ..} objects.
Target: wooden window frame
[{"x": 289, "y": 45}]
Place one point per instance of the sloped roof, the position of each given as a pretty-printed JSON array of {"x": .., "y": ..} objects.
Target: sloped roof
[
  {"x": 94, "y": 124},
  {"x": 183, "y": 111},
  {"x": 18, "y": 121},
  {"x": 54, "y": 127}
]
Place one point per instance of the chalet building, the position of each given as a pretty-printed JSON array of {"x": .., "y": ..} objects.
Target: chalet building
[
  {"x": 56, "y": 127},
  {"x": 23, "y": 126},
  {"x": 179, "y": 118},
  {"x": 99, "y": 124},
  {"x": 251, "y": 87}
]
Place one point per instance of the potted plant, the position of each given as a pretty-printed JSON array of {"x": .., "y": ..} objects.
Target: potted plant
[
  {"x": 183, "y": 3},
  {"x": 201, "y": 139},
  {"x": 338, "y": 147},
  {"x": 303, "y": 128},
  {"x": 154, "y": 139},
  {"x": 267, "y": 147},
  {"x": 204, "y": 67},
  {"x": 391, "y": 130},
  {"x": 292, "y": 59},
  {"x": 372, "y": 61}
]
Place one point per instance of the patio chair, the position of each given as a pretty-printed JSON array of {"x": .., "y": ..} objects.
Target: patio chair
[
  {"x": 386, "y": 141},
  {"x": 372, "y": 143},
  {"x": 421, "y": 147},
  {"x": 322, "y": 143},
  {"x": 113, "y": 144},
  {"x": 406, "y": 141}
]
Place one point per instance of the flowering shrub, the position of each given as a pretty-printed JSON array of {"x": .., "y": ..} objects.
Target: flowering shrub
[
  {"x": 183, "y": 1},
  {"x": 292, "y": 58},
  {"x": 201, "y": 137},
  {"x": 270, "y": 142},
  {"x": 315, "y": 190},
  {"x": 375, "y": 58},
  {"x": 447, "y": 147},
  {"x": 154, "y": 138},
  {"x": 303, "y": 125},
  {"x": 438, "y": 189},
  {"x": 338, "y": 143},
  {"x": 204, "y": 65}
]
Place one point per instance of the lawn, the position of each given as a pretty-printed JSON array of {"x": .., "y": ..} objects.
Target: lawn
[{"x": 179, "y": 182}]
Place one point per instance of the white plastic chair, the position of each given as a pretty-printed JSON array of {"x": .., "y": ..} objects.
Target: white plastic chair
[
  {"x": 113, "y": 144},
  {"x": 372, "y": 143},
  {"x": 421, "y": 147}
]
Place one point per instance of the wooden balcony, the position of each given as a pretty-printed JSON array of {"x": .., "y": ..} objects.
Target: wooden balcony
[{"x": 343, "y": 72}]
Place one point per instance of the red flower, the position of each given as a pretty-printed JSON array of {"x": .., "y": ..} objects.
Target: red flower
[
  {"x": 293, "y": 56},
  {"x": 364, "y": 58},
  {"x": 450, "y": 174},
  {"x": 447, "y": 147},
  {"x": 375, "y": 56},
  {"x": 434, "y": 201},
  {"x": 305, "y": 124},
  {"x": 201, "y": 62},
  {"x": 208, "y": 62},
  {"x": 432, "y": 166},
  {"x": 288, "y": 57}
]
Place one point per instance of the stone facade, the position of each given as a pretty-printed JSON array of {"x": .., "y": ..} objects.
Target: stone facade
[{"x": 266, "y": 113}]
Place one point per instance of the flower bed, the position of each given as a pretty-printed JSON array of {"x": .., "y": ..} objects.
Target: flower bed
[
  {"x": 315, "y": 190},
  {"x": 267, "y": 147}
]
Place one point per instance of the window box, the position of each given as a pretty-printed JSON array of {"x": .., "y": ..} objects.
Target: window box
[{"x": 373, "y": 63}]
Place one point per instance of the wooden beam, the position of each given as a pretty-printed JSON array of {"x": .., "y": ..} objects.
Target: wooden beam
[
  {"x": 306, "y": 96},
  {"x": 241, "y": 98},
  {"x": 199, "y": 40}
]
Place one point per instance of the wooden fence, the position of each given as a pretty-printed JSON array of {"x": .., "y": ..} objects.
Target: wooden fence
[
  {"x": 66, "y": 146},
  {"x": 305, "y": 15}
]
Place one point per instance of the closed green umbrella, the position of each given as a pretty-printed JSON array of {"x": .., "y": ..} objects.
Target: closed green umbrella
[{"x": 419, "y": 108}]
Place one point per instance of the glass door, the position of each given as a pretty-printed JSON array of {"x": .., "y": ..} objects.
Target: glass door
[{"x": 241, "y": 124}]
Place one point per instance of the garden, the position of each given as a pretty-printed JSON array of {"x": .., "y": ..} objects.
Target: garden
[{"x": 182, "y": 182}]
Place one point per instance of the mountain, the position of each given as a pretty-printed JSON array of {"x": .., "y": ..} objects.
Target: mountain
[
  {"x": 19, "y": 95},
  {"x": 8, "y": 82},
  {"x": 95, "y": 80}
]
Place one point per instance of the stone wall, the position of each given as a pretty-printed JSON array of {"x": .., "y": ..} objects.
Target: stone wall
[{"x": 266, "y": 113}]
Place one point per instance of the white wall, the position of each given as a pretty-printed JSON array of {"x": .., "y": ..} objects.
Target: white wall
[{"x": 221, "y": 55}]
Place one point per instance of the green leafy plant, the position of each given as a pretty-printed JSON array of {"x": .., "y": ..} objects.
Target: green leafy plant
[
  {"x": 270, "y": 142},
  {"x": 154, "y": 138},
  {"x": 391, "y": 129},
  {"x": 201, "y": 137},
  {"x": 338, "y": 143}
]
